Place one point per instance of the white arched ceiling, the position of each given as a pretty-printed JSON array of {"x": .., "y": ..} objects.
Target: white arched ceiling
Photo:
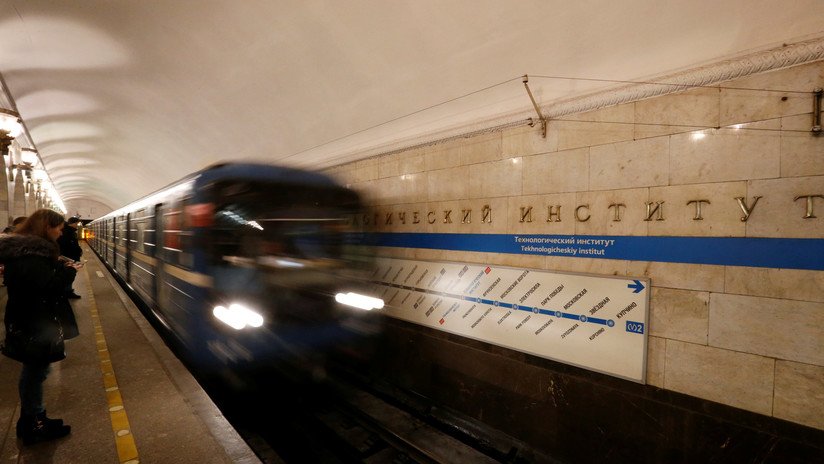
[{"x": 122, "y": 97}]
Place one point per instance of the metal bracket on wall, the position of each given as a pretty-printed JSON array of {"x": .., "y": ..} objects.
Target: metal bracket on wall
[
  {"x": 537, "y": 108},
  {"x": 817, "y": 93}
]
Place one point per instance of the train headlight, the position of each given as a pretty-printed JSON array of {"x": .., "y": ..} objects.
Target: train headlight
[
  {"x": 238, "y": 316},
  {"x": 359, "y": 301}
]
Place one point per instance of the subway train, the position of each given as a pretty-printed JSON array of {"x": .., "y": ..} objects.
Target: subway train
[{"x": 246, "y": 265}]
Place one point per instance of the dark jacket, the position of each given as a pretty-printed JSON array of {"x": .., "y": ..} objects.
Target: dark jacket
[
  {"x": 69, "y": 246},
  {"x": 36, "y": 284}
]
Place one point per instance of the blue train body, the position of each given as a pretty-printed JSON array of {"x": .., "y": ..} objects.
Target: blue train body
[{"x": 242, "y": 262}]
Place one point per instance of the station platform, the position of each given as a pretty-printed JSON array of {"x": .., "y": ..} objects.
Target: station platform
[{"x": 126, "y": 396}]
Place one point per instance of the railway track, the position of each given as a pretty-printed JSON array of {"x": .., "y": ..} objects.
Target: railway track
[{"x": 337, "y": 421}]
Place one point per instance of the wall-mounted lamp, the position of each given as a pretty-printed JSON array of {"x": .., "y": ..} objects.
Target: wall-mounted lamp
[
  {"x": 10, "y": 127},
  {"x": 28, "y": 156}
]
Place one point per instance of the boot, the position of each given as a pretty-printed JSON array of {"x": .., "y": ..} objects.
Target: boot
[
  {"x": 35, "y": 429},
  {"x": 21, "y": 423},
  {"x": 49, "y": 422}
]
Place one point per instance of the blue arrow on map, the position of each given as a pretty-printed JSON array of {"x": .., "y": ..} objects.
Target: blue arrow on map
[{"x": 638, "y": 286}]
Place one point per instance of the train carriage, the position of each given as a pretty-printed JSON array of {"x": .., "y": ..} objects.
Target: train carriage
[{"x": 242, "y": 263}]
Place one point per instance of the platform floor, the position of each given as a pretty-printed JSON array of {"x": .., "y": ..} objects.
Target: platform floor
[{"x": 126, "y": 396}]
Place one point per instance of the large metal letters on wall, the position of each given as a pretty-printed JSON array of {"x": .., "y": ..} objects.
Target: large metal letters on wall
[{"x": 598, "y": 323}]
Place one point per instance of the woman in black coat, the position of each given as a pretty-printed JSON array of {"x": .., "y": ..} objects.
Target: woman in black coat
[{"x": 38, "y": 317}]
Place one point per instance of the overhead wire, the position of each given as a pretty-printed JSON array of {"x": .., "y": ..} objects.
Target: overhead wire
[
  {"x": 670, "y": 84},
  {"x": 404, "y": 116},
  {"x": 530, "y": 121}
]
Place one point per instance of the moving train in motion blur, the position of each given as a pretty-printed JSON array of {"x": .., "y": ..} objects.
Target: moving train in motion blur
[{"x": 245, "y": 264}]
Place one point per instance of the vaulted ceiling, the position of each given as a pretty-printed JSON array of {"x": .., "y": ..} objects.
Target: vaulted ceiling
[{"x": 122, "y": 97}]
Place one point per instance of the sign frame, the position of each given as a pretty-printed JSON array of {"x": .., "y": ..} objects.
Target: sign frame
[{"x": 379, "y": 279}]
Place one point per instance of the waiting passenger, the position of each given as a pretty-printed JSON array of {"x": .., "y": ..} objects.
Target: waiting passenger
[
  {"x": 36, "y": 318},
  {"x": 70, "y": 248},
  {"x": 14, "y": 224}
]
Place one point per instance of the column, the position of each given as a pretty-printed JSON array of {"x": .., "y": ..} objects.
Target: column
[{"x": 18, "y": 199}]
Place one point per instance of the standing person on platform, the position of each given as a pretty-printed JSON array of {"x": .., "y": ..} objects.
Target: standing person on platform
[
  {"x": 35, "y": 317},
  {"x": 70, "y": 248},
  {"x": 16, "y": 223}
]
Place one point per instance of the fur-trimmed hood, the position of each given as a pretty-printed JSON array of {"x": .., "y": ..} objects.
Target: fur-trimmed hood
[{"x": 14, "y": 246}]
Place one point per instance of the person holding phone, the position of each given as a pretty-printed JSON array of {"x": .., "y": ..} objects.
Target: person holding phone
[
  {"x": 36, "y": 320},
  {"x": 70, "y": 248}
]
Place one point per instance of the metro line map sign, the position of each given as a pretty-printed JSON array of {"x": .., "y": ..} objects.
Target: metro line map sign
[{"x": 598, "y": 323}]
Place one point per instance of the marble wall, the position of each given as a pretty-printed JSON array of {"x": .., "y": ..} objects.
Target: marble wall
[{"x": 751, "y": 338}]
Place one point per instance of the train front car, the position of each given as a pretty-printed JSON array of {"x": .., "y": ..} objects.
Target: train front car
[{"x": 279, "y": 247}]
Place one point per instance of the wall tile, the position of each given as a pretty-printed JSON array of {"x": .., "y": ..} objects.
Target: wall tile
[
  {"x": 694, "y": 107},
  {"x": 738, "y": 105},
  {"x": 587, "y": 266},
  {"x": 540, "y": 204},
  {"x": 575, "y": 134},
  {"x": 785, "y": 329},
  {"x": 641, "y": 163},
  {"x": 389, "y": 167},
  {"x": 602, "y": 217},
  {"x": 441, "y": 156},
  {"x": 737, "y": 379},
  {"x": 449, "y": 184},
  {"x": 721, "y": 216},
  {"x": 388, "y": 191},
  {"x": 429, "y": 255},
  {"x": 656, "y": 361},
  {"x": 481, "y": 149},
  {"x": 791, "y": 284},
  {"x": 778, "y": 215},
  {"x": 495, "y": 179},
  {"x": 724, "y": 155},
  {"x": 393, "y": 252},
  {"x": 679, "y": 275},
  {"x": 646, "y": 131},
  {"x": 801, "y": 151},
  {"x": 799, "y": 393},
  {"x": 415, "y": 186},
  {"x": 525, "y": 141},
  {"x": 623, "y": 113},
  {"x": 565, "y": 171},
  {"x": 603, "y": 126},
  {"x": 368, "y": 192},
  {"x": 411, "y": 161},
  {"x": 679, "y": 315},
  {"x": 364, "y": 171},
  {"x": 518, "y": 261},
  {"x": 463, "y": 257}
]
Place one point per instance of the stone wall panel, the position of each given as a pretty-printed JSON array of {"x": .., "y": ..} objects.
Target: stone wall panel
[
  {"x": 799, "y": 393},
  {"x": 729, "y": 377},
  {"x": 783, "y": 329}
]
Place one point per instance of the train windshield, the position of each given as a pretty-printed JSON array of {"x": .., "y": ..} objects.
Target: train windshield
[{"x": 281, "y": 226}]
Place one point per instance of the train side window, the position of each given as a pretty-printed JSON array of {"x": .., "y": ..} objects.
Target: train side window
[
  {"x": 138, "y": 225},
  {"x": 176, "y": 238},
  {"x": 121, "y": 232},
  {"x": 150, "y": 234},
  {"x": 137, "y": 233}
]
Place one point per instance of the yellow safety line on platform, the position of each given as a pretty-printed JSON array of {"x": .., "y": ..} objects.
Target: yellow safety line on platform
[{"x": 126, "y": 447}]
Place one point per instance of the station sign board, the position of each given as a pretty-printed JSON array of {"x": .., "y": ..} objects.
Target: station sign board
[{"x": 594, "y": 322}]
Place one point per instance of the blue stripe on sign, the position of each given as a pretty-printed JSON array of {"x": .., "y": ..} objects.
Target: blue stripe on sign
[
  {"x": 570, "y": 316},
  {"x": 785, "y": 253}
]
